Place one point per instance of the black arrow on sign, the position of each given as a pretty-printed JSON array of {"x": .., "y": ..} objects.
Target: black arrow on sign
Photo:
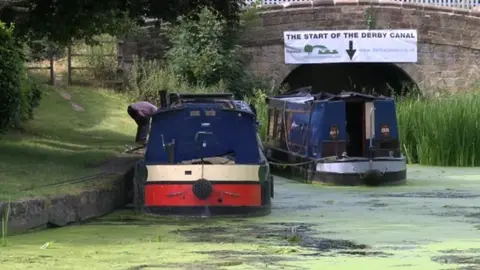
[{"x": 350, "y": 51}]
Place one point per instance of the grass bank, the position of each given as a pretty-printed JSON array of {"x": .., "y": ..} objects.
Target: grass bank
[{"x": 72, "y": 133}]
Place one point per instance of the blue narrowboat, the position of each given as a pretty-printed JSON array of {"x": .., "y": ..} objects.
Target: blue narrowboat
[
  {"x": 203, "y": 157},
  {"x": 345, "y": 139}
]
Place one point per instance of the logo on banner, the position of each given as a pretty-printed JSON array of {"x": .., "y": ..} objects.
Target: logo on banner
[{"x": 321, "y": 49}]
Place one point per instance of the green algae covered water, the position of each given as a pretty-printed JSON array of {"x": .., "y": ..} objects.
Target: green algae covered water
[{"x": 432, "y": 222}]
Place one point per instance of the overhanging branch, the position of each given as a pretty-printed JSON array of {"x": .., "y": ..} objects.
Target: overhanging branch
[{"x": 11, "y": 3}]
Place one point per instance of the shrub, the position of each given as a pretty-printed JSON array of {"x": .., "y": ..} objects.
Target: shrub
[
  {"x": 440, "y": 130},
  {"x": 11, "y": 69},
  {"x": 99, "y": 58},
  {"x": 204, "y": 51},
  {"x": 147, "y": 78},
  {"x": 30, "y": 96},
  {"x": 258, "y": 100},
  {"x": 40, "y": 50}
]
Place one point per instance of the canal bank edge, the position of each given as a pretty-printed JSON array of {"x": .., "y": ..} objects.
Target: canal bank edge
[{"x": 61, "y": 210}]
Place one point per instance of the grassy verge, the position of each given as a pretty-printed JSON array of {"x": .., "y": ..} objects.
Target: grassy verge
[{"x": 62, "y": 143}]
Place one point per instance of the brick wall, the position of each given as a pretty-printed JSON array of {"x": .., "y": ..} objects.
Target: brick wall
[{"x": 449, "y": 38}]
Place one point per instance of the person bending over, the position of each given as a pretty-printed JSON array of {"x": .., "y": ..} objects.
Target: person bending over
[{"x": 141, "y": 112}]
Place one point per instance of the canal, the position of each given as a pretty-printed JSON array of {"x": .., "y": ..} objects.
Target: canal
[{"x": 432, "y": 222}]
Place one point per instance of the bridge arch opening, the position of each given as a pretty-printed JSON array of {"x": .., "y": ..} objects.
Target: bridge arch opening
[{"x": 380, "y": 78}]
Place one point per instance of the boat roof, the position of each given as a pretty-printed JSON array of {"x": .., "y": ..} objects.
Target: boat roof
[
  {"x": 303, "y": 95},
  {"x": 179, "y": 101}
]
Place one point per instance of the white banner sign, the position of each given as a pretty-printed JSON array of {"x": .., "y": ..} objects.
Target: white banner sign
[{"x": 348, "y": 46}]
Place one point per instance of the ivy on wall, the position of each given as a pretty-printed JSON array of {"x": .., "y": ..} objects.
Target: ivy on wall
[{"x": 370, "y": 18}]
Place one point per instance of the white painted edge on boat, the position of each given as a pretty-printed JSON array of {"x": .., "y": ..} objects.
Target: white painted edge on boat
[{"x": 362, "y": 166}]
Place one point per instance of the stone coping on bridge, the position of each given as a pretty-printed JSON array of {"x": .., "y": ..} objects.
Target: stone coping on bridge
[{"x": 374, "y": 3}]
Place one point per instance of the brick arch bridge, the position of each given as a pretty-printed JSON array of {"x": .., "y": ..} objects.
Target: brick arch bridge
[{"x": 448, "y": 38}]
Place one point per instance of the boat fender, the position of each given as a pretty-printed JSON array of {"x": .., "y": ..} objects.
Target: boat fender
[
  {"x": 202, "y": 189},
  {"x": 139, "y": 179}
]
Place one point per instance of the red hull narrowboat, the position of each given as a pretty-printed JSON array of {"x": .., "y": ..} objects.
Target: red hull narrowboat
[{"x": 203, "y": 157}]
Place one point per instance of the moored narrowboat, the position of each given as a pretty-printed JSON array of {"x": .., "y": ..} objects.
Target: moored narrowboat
[
  {"x": 203, "y": 158},
  {"x": 345, "y": 139}
]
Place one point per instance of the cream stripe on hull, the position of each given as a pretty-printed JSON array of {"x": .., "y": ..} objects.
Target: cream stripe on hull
[{"x": 215, "y": 172}]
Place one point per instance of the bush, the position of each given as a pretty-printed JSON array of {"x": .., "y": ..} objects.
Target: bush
[
  {"x": 440, "y": 130},
  {"x": 30, "y": 96},
  {"x": 99, "y": 58},
  {"x": 258, "y": 100},
  {"x": 204, "y": 51},
  {"x": 147, "y": 78},
  {"x": 11, "y": 69},
  {"x": 40, "y": 50}
]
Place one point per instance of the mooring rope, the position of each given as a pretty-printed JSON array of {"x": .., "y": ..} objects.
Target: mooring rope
[
  {"x": 134, "y": 149},
  {"x": 278, "y": 163},
  {"x": 291, "y": 164},
  {"x": 83, "y": 178},
  {"x": 72, "y": 181}
]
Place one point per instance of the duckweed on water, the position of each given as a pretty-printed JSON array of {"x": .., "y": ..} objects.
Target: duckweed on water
[{"x": 430, "y": 223}]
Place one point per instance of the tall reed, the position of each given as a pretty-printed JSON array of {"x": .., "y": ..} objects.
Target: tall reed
[
  {"x": 441, "y": 130},
  {"x": 258, "y": 101}
]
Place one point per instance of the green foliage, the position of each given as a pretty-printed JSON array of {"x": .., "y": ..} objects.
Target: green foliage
[
  {"x": 258, "y": 99},
  {"x": 101, "y": 58},
  {"x": 20, "y": 95},
  {"x": 30, "y": 96},
  {"x": 42, "y": 49},
  {"x": 11, "y": 69},
  {"x": 147, "y": 78},
  {"x": 198, "y": 51},
  {"x": 440, "y": 130},
  {"x": 170, "y": 10},
  {"x": 370, "y": 17},
  {"x": 204, "y": 50},
  {"x": 62, "y": 21}
]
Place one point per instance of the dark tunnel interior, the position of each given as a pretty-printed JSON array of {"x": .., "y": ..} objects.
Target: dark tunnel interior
[{"x": 380, "y": 78}]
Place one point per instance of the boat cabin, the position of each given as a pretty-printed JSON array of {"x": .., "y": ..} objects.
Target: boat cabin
[{"x": 322, "y": 125}]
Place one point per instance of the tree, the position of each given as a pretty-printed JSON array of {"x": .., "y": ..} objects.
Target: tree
[
  {"x": 11, "y": 68},
  {"x": 61, "y": 21}
]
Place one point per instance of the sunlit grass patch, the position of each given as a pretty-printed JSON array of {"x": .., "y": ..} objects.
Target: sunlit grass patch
[{"x": 62, "y": 143}]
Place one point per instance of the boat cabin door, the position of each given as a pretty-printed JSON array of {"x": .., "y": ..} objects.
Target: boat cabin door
[{"x": 355, "y": 126}]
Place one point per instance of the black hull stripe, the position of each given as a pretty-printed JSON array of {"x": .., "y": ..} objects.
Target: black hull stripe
[{"x": 237, "y": 211}]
